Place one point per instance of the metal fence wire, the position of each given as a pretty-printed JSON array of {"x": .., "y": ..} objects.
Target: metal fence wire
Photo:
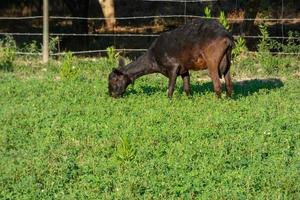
[{"x": 280, "y": 20}]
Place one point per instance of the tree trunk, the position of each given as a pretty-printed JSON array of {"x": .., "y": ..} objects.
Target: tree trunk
[{"x": 108, "y": 10}]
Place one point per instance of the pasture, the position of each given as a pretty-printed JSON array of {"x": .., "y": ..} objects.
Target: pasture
[{"x": 63, "y": 137}]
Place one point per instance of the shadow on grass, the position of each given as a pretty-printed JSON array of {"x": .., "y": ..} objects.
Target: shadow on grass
[
  {"x": 241, "y": 88},
  {"x": 248, "y": 87}
]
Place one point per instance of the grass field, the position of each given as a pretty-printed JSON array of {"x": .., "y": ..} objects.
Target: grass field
[{"x": 67, "y": 139}]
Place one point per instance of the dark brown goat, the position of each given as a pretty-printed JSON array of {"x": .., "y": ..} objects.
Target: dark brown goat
[{"x": 198, "y": 45}]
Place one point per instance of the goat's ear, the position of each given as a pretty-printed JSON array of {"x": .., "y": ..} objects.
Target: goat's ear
[
  {"x": 122, "y": 62},
  {"x": 116, "y": 71}
]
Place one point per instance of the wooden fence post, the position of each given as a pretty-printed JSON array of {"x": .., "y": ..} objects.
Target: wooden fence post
[{"x": 45, "y": 31}]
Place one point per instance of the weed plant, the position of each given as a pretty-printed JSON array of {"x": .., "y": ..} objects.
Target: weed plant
[
  {"x": 223, "y": 20},
  {"x": 207, "y": 12},
  {"x": 7, "y": 53},
  {"x": 111, "y": 60},
  {"x": 68, "y": 69}
]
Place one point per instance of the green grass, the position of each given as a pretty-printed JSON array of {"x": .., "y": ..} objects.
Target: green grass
[{"x": 67, "y": 139}]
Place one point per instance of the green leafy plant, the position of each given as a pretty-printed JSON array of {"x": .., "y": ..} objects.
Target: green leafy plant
[
  {"x": 264, "y": 45},
  {"x": 292, "y": 45},
  {"x": 53, "y": 44},
  {"x": 269, "y": 62},
  {"x": 68, "y": 69},
  {"x": 207, "y": 12},
  {"x": 31, "y": 47},
  {"x": 223, "y": 20},
  {"x": 111, "y": 60},
  {"x": 125, "y": 150},
  {"x": 240, "y": 47},
  {"x": 112, "y": 55},
  {"x": 34, "y": 48},
  {"x": 7, "y": 53},
  {"x": 239, "y": 54}
]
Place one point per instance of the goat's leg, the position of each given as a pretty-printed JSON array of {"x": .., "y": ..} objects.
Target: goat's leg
[
  {"x": 217, "y": 84},
  {"x": 218, "y": 63},
  {"x": 186, "y": 83},
  {"x": 228, "y": 82},
  {"x": 214, "y": 74},
  {"x": 172, "y": 81}
]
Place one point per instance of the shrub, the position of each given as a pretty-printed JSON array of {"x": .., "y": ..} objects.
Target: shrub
[
  {"x": 292, "y": 45},
  {"x": 268, "y": 62},
  {"x": 265, "y": 42},
  {"x": 7, "y": 53},
  {"x": 68, "y": 69},
  {"x": 273, "y": 63}
]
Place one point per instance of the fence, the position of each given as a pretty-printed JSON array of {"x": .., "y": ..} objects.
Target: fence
[{"x": 185, "y": 16}]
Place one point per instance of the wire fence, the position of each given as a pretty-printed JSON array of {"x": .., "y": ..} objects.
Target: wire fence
[
  {"x": 131, "y": 50},
  {"x": 131, "y": 35},
  {"x": 185, "y": 16},
  {"x": 152, "y": 17}
]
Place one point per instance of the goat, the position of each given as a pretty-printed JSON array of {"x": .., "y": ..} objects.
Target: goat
[{"x": 198, "y": 45}]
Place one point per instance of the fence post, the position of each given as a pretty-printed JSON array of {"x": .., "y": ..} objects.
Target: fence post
[{"x": 45, "y": 31}]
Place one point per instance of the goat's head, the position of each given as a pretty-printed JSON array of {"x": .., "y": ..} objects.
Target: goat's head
[{"x": 117, "y": 83}]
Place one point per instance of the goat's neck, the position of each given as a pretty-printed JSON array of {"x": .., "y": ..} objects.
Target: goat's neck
[{"x": 145, "y": 64}]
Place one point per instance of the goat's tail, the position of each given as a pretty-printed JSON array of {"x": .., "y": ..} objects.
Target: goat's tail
[{"x": 224, "y": 66}]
